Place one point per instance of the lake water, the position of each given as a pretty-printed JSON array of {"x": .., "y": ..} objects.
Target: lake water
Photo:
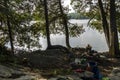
[{"x": 90, "y": 36}]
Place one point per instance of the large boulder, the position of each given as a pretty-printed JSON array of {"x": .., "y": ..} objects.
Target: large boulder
[{"x": 44, "y": 59}]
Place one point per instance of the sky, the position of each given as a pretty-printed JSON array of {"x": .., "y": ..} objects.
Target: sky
[{"x": 67, "y": 3}]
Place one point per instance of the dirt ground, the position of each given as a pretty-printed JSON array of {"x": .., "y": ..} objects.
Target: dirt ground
[{"x": 106, "y": 66}]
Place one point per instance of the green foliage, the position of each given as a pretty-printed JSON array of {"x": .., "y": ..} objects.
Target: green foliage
[
  {"x": 21, "y": 14},
  {"x": 57, "y": 22},
  {"x": 27, "y": 21},
  {"x": 75, "y": 30},
  {"x": 93, "y": 12},
  {"x": 76, "y": 16},
  {"x": 95, "y": 24}
]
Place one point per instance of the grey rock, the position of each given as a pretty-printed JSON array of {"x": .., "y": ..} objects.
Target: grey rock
[
  {"x": 73, "y": 77},
  {"x": 66, "y": 77},
  {"x": 114, "y": 78},
  {"x": 52, "y": 79},
  {"x": 85, "y": 74},
  {"x": 5, "y": 71},
  {"x": 115, "y": 74},
  {"x": 26, "y": 77}
]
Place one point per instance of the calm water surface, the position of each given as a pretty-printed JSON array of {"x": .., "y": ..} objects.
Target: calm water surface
[{"x": 90, "y": 36}]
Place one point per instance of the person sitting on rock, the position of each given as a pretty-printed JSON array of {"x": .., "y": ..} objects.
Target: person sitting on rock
[{"x": 88, "y": 48}]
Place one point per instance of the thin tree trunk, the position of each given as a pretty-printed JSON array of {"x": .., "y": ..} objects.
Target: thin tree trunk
[
  {"x": 114, "y": 50},
  {"x": 67, "y": 34},
  {"x": 10, "y": 35},
  {"x": 47, "y": 23},
  {"x": 9, "y": 29},
  {"x": 104, "y": 23},
  {"x": 65, "y": 24}
]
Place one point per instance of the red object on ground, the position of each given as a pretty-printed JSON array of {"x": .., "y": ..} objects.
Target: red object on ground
[{"x": 79, "y": 70}]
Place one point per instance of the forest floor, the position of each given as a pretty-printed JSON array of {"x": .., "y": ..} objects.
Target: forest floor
[{"x": 106, "y": 66}]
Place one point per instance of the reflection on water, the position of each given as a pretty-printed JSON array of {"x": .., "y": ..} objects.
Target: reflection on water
[{"x": 90, "y": 36}]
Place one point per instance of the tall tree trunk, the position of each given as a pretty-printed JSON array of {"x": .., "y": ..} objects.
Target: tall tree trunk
[
  {"x": 104, "y": 23},
  {"x": 9, "y": 29},
  {"x": 10, "y": 35},
  {"x": 65, "y": 24},
  {"x": 47, "y": 23},
  {"x": 114, "y": 46}
]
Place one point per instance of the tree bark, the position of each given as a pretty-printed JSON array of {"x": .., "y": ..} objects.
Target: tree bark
[
  {"x": 47, "y": 23},
  {"x": 104, "y": 23},
  {"x": 65, "y": 24},
  {"x": 114, "y": 46}
]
